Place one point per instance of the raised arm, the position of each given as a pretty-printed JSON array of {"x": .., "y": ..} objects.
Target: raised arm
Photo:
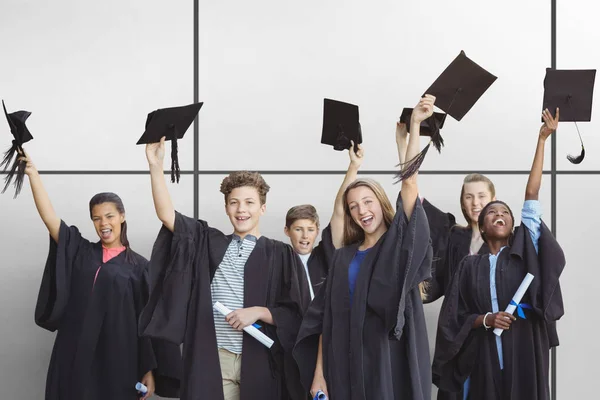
[
  {"x": 337, "y": 219},
  {"x": 155, "y": 153},
  {"x": 410, "y": 189},
  {"x": 401, "y": 141},
  {"x": 535, "y": 176},
  {"x": 41, "y": 199}
]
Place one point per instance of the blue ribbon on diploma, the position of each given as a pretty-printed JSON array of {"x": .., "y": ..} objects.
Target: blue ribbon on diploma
[{"x": 520, "y": 308}]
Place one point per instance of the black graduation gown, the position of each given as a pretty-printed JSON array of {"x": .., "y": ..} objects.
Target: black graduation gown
[
  {"x": 459, "y": 245},
  {"x": 320, "y": 259},
  {"x": 180, "y": 310},
  {"x": 440, "y": 229},
  {"x": 462, "y": 351},
  {"x": 376, "y": 349},
  {"x": 97, "y": 353}
]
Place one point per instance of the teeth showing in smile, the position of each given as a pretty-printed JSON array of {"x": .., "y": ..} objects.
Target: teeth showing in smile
[
  {"x": 304, "y": 243},
  {"x": 476, "y": 210},
  {"x": 500, "y": 222},
  {"x": 106, "y": 232},
  {"x": 242, "y": 218},
  {"x": 366, "y": 220}
]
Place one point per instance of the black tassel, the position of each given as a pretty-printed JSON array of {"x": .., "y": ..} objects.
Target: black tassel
[
  {"x": 411, "y": 167},
  {"x": 8, "y": 156},
  {"x": 174, "y": 160},
  {"x": 579, "y": 158},
  {"x": 17, "y": 169},
  {"x": 436, "y": 137}
]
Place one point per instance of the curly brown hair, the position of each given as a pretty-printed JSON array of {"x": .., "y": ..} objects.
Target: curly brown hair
[{"x": 245, "y": 178}]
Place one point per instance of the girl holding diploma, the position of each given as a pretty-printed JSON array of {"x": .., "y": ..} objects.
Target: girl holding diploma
[
  {"x": 364, "y": 335},
  {"x": 514, "y": 365}
]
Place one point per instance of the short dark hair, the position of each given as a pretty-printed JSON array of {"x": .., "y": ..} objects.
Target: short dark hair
[
  {"x": 304, "y": 211},
  {"x": 483, "y": 212}
]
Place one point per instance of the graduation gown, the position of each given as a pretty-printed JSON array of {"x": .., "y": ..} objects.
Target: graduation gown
[
  {"x": 376, "y": 348},
  {"x": 462, "y": 351},
  {"x": 180, "y": 310},
  {"x": 320, "y": 259},
  {"x": 97, "y": 353},
  {"x": 441, "y": 231}
]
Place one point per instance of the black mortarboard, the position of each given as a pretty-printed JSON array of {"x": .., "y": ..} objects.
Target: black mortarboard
[
  {"x": 21, "y": 135},
  {"x": 172, "y": 123},
  {"x": 428, "y": 126},
  {"x": 340, "y": 125},
  {"x": 456, "y": 91},
  {"x": 571, "y": 91}
]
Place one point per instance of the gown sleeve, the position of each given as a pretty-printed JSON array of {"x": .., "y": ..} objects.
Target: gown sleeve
[
  {"x": 161, "y": 357},
  {"x": 457, "y": 342},
  {"x": 172, "y": 276},
  {"x": 56, "y": 280}
]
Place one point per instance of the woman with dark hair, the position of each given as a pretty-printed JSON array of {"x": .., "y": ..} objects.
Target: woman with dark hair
[
  {"x": 515, "y": 364},
  {"x": 92, "y": 294},
  {"x": 364, "y": 335}
]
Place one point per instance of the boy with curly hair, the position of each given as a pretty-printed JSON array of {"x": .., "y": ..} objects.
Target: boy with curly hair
[{"x": 261, "y": 280}]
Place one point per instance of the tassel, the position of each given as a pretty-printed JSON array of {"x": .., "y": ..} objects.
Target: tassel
[
  {"x": 581, "y": 156},
  {"x": 411, "y": 167},
  {"x": 174, "y": 160}
]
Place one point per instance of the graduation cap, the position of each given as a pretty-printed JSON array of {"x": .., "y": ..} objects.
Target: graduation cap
[
  {"x": 340, "y": 125},
  {"x": 172, "y": 123},
  {"x": 456, "y": 90},
  {"x": 21, "y": 135},
  {"x": 428, "y": 126},
  {"x": 571, "y": 91}
]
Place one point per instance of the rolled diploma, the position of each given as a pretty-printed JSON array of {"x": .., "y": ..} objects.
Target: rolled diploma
[
  {"x": 250, "y": 330},
  {"x": 517, "y": 299},
  {"x": 320, "y": 396},
  {"x": 140, "y": 387}
]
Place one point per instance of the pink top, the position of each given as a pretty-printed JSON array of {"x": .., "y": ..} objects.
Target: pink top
[{"x": 108, "y": 254}]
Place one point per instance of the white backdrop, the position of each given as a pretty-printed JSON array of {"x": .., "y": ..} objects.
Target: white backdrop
[{"x": 91, "y": 72}]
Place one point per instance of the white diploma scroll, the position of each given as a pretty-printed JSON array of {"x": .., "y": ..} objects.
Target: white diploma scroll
[
  {"x": 516, "y": 299},
  {"x": 250, "y": 330}
]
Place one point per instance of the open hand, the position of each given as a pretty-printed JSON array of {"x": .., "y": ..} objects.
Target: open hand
[{"x": 550, "y": 124}]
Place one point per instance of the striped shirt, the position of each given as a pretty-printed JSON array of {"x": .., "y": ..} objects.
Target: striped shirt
[{"x": 227, "y": 287}]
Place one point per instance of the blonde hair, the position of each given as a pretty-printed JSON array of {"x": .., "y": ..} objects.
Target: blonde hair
[
  {"x": 353, "y": 233},
  {"x": 472, "y": 178}
]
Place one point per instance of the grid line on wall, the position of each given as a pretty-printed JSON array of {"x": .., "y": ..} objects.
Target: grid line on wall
[{"x": 553, "y": 175}]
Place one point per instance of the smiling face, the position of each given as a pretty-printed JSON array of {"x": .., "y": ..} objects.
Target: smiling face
[
  {"x": 365, "y": 210},
  {"x": 107, "y": 222},
  {"x": 302, "y": 234},
  {"x": 497, "y": 222},
  {"x": 476, "y": 195},
  {"x": 244, "y": 210}
]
